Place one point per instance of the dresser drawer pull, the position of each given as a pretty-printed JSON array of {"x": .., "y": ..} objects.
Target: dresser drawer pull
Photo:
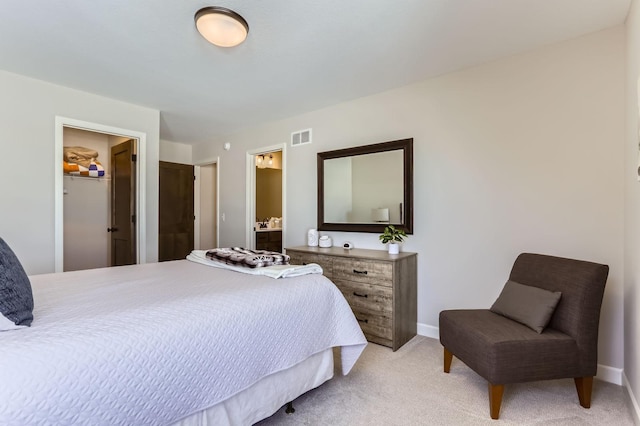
[
  {"x": 366, "y": 321},
  {"x": 355, "y": 271},
  {"x": 360, "y": 295}
]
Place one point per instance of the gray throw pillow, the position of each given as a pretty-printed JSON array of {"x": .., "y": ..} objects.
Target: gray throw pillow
[
  {"x": 16, "y": 298},
  {"x": 531, "y": 306}
]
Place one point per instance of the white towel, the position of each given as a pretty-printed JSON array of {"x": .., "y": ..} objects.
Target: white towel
[{"x": 275, "y": 271}]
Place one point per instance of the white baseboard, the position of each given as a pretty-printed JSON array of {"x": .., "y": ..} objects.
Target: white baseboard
[
  {"x": 605, "y": 373},
  {"x": 634, "y": 402},
  {"x": 609, "y": 374},
  {"x": 428, "y": 331}
]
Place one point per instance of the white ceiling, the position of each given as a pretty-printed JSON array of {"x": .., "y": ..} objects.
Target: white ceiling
[{"x": 300, "y": 55}]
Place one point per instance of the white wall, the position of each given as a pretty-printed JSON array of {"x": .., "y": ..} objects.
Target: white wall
[
  {"x": 28, "y": 109},
  {"x": 632, "y": 213},
  {"x": 207, "y": 207},
  {"x": 521, "y": 154},
  {"x": 86, "y": 219},
  {"x": 87, "y": 213},
  {"x": 175, "y": 152}
]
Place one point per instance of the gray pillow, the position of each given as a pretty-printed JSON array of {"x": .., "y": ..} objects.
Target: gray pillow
[
  {"x": 531, "y": 306},
  {"x": 16, "y": 299}
]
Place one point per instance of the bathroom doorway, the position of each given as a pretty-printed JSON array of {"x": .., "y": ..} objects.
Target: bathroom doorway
[{"x": 266, "y": 199}]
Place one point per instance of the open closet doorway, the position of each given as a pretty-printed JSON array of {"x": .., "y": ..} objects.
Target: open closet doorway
[
  {"x": 99, "y": 220},
  {"x": 99, "y": 200},
  {"x": 266, "y": 198}
]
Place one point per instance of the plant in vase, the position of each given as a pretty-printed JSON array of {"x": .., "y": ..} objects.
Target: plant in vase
[{"x": 393, "y": 236}]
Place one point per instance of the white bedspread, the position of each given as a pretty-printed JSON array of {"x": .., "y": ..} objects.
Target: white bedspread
[{"x": 151, "y": 344}]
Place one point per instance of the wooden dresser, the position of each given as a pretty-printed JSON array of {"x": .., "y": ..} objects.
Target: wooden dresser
[{"x": 381, "y": 288}]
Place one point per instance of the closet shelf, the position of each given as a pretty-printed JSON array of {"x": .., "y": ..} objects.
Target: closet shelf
[{"x": 105, "y": 177}]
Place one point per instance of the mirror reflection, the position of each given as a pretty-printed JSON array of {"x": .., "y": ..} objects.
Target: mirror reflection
[{"x": 364, "y": 188}]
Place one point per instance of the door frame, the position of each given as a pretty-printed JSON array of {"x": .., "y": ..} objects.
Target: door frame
[
  {"x": 196, "y": 199},
  {"x": 250, "y": 241},
  {"x": 58, "y": 221}
]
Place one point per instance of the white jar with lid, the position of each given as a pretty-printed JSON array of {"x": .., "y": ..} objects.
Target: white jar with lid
[{"x": 325, "y": 241}]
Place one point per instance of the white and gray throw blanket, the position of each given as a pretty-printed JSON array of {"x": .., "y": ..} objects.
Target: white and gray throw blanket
[
  {"x": 273, "y": 271},
  {"x": 247, "y": 258}
]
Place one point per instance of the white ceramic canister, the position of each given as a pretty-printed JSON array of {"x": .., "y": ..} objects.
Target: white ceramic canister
[
  {"x": 312, "y": 238},
  {"x": 325, "y": 241}
]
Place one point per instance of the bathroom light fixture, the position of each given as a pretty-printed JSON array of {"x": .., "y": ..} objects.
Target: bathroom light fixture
[
  {"x": 221, "y": 26},
  {"x": 270, "y": 160}
]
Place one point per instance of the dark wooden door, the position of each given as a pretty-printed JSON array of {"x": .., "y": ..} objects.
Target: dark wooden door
[
  {"x": 175, "y": 234},
  {"x": 123, "y": 204}
]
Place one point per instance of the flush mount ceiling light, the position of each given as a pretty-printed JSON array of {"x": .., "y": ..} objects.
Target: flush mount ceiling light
[{"x": 221, "y": 26}]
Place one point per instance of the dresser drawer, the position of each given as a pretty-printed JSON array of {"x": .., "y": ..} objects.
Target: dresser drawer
[
  {"x": 364, "y": 271},
  {"x": 366, "y": 297},
  {"x": 375, "y": 326},
  {"x": 297, "y": 258}
]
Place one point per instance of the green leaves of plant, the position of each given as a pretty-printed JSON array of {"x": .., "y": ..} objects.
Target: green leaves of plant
[{"x": 391, "y": 233}]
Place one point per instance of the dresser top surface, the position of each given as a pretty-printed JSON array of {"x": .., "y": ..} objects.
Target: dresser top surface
[{"x": 353, "y": 253}]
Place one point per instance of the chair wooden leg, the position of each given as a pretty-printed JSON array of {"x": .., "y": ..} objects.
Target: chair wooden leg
[
  {"x": 448, "y": 356},
  {"x": 495, "y": 400},
  {"x": 584, "y": 386}
]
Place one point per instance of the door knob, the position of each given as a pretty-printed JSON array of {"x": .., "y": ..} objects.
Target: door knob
[{"x": 112, "y": 229}]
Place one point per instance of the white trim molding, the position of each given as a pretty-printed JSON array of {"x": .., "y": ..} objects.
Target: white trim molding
[
  {"x": 429, "y": 331},
  {"x": 634, "y": 401},
  {"x": 605, "y": 372},
  {"x": 609, "y": 374},
  {"x": 196, "y": 206}
]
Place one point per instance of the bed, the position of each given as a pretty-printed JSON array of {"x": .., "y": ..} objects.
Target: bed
[{"x": 172, "y": 343}]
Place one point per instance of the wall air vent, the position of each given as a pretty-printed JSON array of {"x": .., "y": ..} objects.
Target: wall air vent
[{"x": 301, "y": 137}]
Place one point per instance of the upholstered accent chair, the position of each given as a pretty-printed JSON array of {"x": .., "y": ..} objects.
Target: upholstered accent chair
[{"x": 504, "y": 351}]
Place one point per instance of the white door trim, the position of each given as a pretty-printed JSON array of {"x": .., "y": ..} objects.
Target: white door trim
[
  {"x": 141, "y": 173},
  {"x": 250, "y": 202}
]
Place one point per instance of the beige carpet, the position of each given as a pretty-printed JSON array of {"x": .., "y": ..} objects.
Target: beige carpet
[{"x": 408, "y": 387}]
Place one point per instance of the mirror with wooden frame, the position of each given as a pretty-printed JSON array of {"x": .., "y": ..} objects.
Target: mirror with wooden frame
[{"x": 365, "y": 188}]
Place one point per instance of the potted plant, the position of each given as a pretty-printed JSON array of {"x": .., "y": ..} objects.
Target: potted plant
[{"x": 393, "y": 236}]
